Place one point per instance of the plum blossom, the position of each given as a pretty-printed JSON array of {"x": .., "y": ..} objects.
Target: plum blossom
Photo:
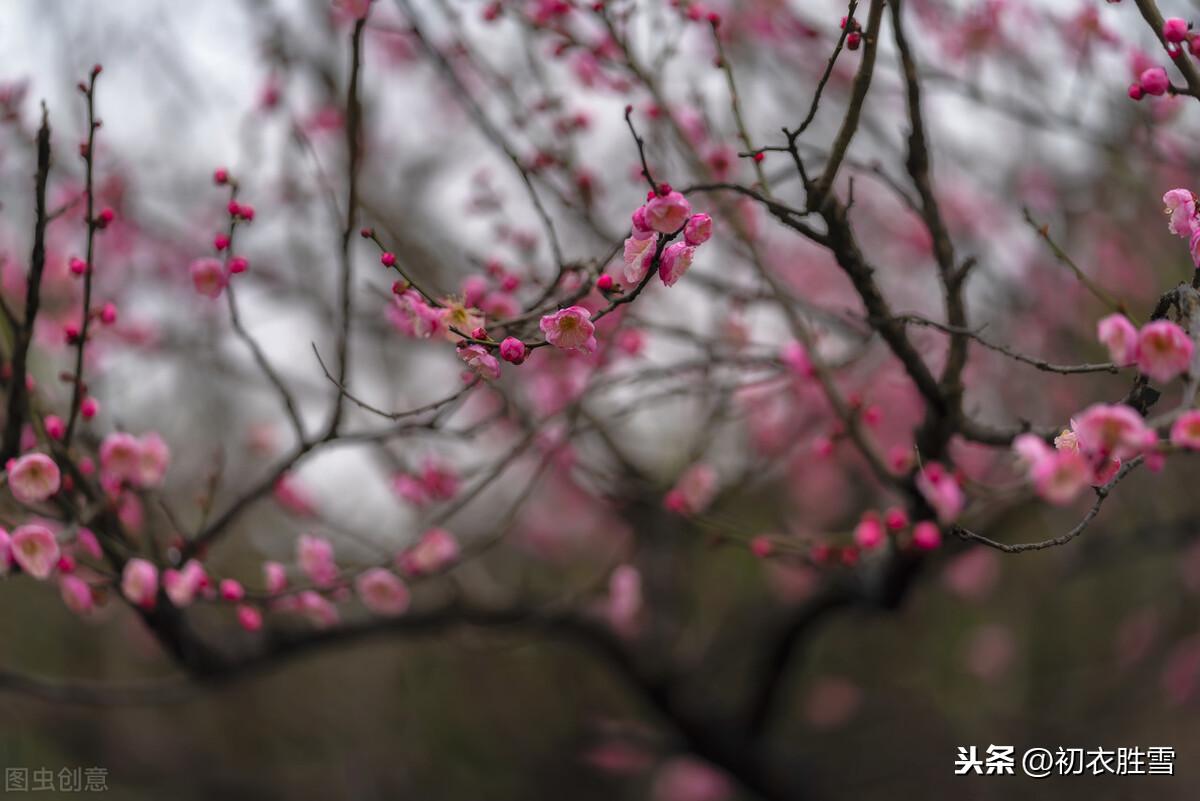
[
  {"x": 435, "y": 551},
  {"x": 1154, "y": 81},
  {"x": 33, "y": 478},
  {"x": 941, "y": 491},
  {"x": 1185, "y": 432},
  {"x": 667, "y": 212},
  {"x": 795, "y": 356},
  {"x": 382, "y": 592},
  {"x": 483, "y": 363},
  {"x": 249, "y": 618},
  {"x": 1164, "y": 350},
  {"x": 1102, "y": 470},
  {"x": 570, "y": 329},
  {"x": 1120, "y": 337},
  {"x": 76, "y": 594},
  {"x": 1111, "y": 431},
  {"x": 120, "y": 456},
  {"x": 698, "y": 229},
  {"x": 315, "y": 556},
  {"x": 1058, "y": 474},
  {"x": 139, "y": 583},
  {"x": 638, "y": 256},
  {"x": 413, "y": 317},
  {"x": 35, "y": 550},
  {"x": 458, "y": 315},
  {"x": 1181, "y": 206},
  {"x": 624, "y": 603},
  {"x": 869, "y": 534},
  {"x": 182, "y": 585},
  {"x": 275, "y": 577},
  {"x": 926, "y": 535},
  {"x": 153, "y": 458},
  {"x": 294, "y": 496},
  {"x": 208, "y": 277},
  {"x": 317, "y": 608},
  {"x": 676, "y": 260},
  {"x": 231, "y": 590},
  {"x": 693, "y": 492},
  {"x": 513, "y": 350}
]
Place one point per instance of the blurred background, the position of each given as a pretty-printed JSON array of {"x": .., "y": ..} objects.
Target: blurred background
[{"x": 1095, "y": 644}]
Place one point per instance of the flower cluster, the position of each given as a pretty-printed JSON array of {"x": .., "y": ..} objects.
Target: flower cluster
[
  {"x": 210, "y": 275},
  {"x": 1090, "y": 452},
  {"x": 666, "y": 213},
  {"x": 1161, "y": 349}
]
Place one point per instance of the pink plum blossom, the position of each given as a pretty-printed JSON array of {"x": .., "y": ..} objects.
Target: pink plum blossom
[
  {"x": 139, "y": 583},
  {"x": 570, "y": 329},
  {"x": 76, "y": 594},
  {"x": 482, "y": 362},
  {"x": 317, "y": 608},
  {"x": 153, "y": 458},
  {"x": 1185, "y": 432},
  {"x": 926, "y": 535},
  {"x": 868, "y": 534},
  {"x": 513, "y": 350},
  {"x": 120, "y": 456},
  {"x": 1120, "y": 337},
  {"x": 35, "y": 550},
  {"x": 676, "y": 260},
  {"x": 1181, "y": 206},
  {"x": 693, "y": 492},
  {"x": 33, "y": 478},
  {"x": 666, "y": 213},
  {"x": 1163, "y": 350},
  {"x": 315, "y": 557},
  {"x": 698, "y": 229},
  {"x": 638, "y": 256},
  {"x": 624, "y": 600},
  {"x": 182, "y": 585},
  {"x": 1154, "y": 81},
  {"x": 382, "y": 592},
  {"x": 941, "y": 491},
  {"x": 294, "y": 496},
  {"x": 208, "y": 277},
  {"x": 1111, "y": 431},
  {"x": 275, "y": 577},
  {"x": 231, "y": 590},
  {"x": 435, "y": 551},
  {"x": 249, "y": 618}
]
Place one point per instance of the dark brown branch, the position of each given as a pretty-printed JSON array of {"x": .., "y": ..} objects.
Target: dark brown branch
[
  {"x": 17, "y": 392},
  {"x": 89, "y": 159}
]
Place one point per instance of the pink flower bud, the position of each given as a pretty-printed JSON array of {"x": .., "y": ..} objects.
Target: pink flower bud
[
  {"x": 55, "y": 427},
  {"x": 1175, "y": 30},
  {"x": 238, "y": 265},
  {"x": 231, "y": 590},
  {"x": 387, "y": 259},
  {"x": 1154, "y": 81},
  {"x": 512, "y": 350},
  {"x": 926, "y": 535},
  {"x": 220, "y": 176},
  {"x": 89, "y": 408},
  {"x": 108, "y": 314},
  {"x": 249, "y": 618}
]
